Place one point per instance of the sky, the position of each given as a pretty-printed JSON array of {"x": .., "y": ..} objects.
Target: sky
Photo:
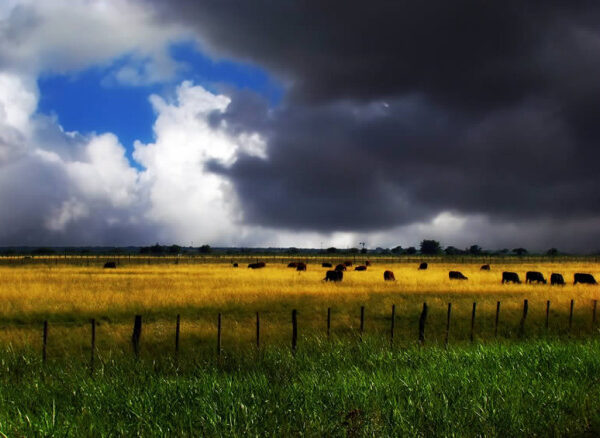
[{"x": 307, "y": 124}]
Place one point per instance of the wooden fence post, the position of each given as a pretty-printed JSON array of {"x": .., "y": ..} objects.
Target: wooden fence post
[
  {"x": 44, "y": 341},
  {"x": 362, "y": 321},
  {"x": 257, "y": 331},
  {"x": 594, "y": 314},
  {"x": 392, "y": 325},
  {"x": 547, "y": 314},
  {"x": 328, "y": 322},
  {"x": 219, "y": 334},
  {"x": 473, "y": 322},
  {"x": 422, "y": 321},
  {"x": 571, "y": 315},
  {"x": 522, "y": 323},
  {"x": 137, "y": 334},
  {"x": 497, "y": 318},
  {"x": 177, "y": 329},
  {"x": 93, "y": 349},
  {"x": 294, "y": 330},
  {"x": 448, "y": 325}
]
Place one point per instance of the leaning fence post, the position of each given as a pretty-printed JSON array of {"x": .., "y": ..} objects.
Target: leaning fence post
[
  {"x": 497, "y": 318},
  {"x": 257, "y": 331},
  {"x": 448, "y": 325},
  {"x": 219, "y": 334},
  {"x": 177, "y": 328},
  {"x": 44, "y": 341},
  {"x": 522, "y": 324},
  {"x": 422, "y": 320},
  {"x": 137, "y": 334},
  {"x": 547, "y": 314},
  {"x": 571, "y": 315},
  {"x": 473, "y": 322},
  {"x": 362, "y": 321},
  {"x": 392, "y": 325},
  {"x": 93, "y": 349},
  {"x": 328, "y": 322},
  {"x": 294, "y": 330}
]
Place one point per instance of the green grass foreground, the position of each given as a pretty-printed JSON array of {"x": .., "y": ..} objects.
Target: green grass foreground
[{"x": 533, "y": 388}]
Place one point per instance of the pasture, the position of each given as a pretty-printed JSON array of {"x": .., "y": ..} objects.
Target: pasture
[
  {"x": 69, "y": 295},
  {"x": 489, "y": 380}
]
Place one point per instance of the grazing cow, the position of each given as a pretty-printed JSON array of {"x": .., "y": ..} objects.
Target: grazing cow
[
  {"x": 510, "y": 277},
  {"x": 423, "y": 266},
  {"x": 334, "y": 275},
  {"x": 360, "y": 268},
  {"x": 557, "y": 279},
  {"x": 340, "y": 267},
  {"x": 300, "y": 266},
  {"x": 485, "y": 268},
  {"x": 367, "y": 263},
  {"x": 456, "y": 275},
  {"x": 584, "y": 279},
  {"x": 348, "y": 263},
  {"x": 534, "y": 277},
  {"x": 257, "y": 265},
  {"x": 110, "y": 265},
  {"x": 235, "y": 265},
  {"x": 326, "y": 265},
  {"x": 389, "y": 276},
  {"x": 292, "y": 264}
]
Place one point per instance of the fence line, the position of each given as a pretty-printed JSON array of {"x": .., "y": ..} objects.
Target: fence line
[{"x": 422, "y": 325}]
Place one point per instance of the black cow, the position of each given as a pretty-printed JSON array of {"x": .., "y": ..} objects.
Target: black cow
[
  {"x": 389, "y": 276},
  {"x": 423, "y": 266},
  {"x": 334, "y": 275},
  {"x": 360, "y": 268},
  {"x": 510, "y": 277},
  {"x": 326, "y": 265},
  {"x": 300, "y": 266},
  {"x": 456, "y": 275},
  {"x": 584, "y": 279},
  {"x": 485, "y": 267},
  {"x": 257, "y": 265},
  {"x": 534, "y": 277},
  {"x": 348, "y": 263},
  {"x": 292, "y": 264},
  {"x": 557, "y": 279},
  {"x": 235, "y": 265},
  {"x": 110, "y": 265},
  {"x": 340, "y": 267},
  {"x": 367, "y": 263}
]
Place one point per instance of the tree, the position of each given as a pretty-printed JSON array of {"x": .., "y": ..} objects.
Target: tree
[
  {"x": 353, "y": 250},
  {"x": 430, "y": 247},
  {"x": 363, "y": 251},
  {"x": 475, "y": 250},
  {"x": 411, "y": 250},
  {"x": 552, "y": 252},
  {"x": 292, "y": 250},
  {"x": 519, "y": 251},
  {"x": 174, "y": 249},
  {"x": 451, "y": 250},
  {"x": 397, "y": 250},
  {"x": 204, "y": 249},
  {"x": 331, "y": 250}
]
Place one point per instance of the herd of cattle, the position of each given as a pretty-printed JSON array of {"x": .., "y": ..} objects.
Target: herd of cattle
[{"x": 337, "y": 274}]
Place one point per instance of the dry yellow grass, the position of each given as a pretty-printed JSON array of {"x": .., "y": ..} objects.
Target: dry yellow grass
[{"x": 68, "y": 296}]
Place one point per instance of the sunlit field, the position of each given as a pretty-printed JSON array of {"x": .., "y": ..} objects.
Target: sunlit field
[
  {"x": 488, "y": 380},
  {"x": 68, "y": 296}
]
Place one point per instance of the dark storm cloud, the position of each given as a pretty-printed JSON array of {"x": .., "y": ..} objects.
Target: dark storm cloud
[{"x": 397, "y": 111}]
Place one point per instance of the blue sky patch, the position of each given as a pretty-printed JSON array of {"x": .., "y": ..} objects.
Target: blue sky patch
[{"x": 88, "y": 102}]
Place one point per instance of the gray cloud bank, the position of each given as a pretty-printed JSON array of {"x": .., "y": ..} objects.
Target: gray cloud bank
[{"x": 398, "y": 111}]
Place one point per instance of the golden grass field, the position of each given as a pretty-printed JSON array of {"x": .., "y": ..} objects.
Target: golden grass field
[{"x": 68, "y": 296}]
